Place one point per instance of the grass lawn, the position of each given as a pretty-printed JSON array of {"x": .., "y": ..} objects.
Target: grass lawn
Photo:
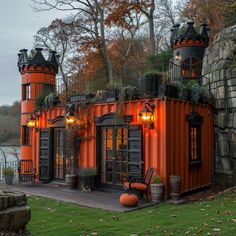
[{"x": 211, "y": 217}]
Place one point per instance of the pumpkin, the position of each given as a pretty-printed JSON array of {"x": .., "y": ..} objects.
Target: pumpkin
[{"x": 128, "y": 199}]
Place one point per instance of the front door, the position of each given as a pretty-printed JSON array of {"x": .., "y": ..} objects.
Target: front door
[
  {"x": 114, "y": 156},
  {"x": 59, "y": 165}
]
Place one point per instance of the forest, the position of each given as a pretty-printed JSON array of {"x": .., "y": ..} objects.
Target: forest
[{"x": 10, "y": 123}]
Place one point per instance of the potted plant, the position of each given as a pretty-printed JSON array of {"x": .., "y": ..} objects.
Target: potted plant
[
  {"x": 175, "y": 183},
  {"x": 149, "y": 84},
  {"x": 8, "y": 175},
  {"x": 86, "y": 176},
  {"x": 157, "y": 189}
]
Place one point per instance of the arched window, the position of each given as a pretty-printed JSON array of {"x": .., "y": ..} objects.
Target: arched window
[{"x": 191, "y": 67}]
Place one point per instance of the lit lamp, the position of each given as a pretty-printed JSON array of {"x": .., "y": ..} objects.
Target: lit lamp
[
  {"x": 31, "y": 122},
  {"x": 70, "y": 118},
  {"x": 178, "y": 57},
  {"x": 147, "y": 115}
]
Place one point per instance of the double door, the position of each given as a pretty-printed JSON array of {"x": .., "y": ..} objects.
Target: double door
[
  {"x": 114, "y": 156},
  {"x": 59, "y": 160}
]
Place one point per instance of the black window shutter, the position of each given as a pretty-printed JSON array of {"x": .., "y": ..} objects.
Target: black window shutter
[
  {"x": 135, "y": 160},
  {"x": 45, "y": 155}
]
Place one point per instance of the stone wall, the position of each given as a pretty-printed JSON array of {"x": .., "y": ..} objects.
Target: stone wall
[
  {"x": 14, "y": 213},
  {"x": 219, "y": 69}
]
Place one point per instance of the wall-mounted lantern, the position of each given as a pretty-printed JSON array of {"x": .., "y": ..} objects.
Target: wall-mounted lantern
[
  {"x": 31, "y": 122},
  {"x": 178, "y": 57},
  {"x": 71, "y": 118},
  {"x": 147, "y": 115}
]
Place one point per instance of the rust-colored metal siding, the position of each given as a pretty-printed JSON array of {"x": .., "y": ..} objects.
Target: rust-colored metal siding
[
  {"x": 178, "y": 145},
  {"x": 166, "y": 147}
]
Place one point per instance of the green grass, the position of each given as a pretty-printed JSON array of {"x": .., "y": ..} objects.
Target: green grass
[{"x": 215, "y": 217}]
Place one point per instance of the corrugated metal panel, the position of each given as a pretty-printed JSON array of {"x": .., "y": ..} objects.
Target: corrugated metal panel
[
  {"x": 178, "y": 145},
  {"x": 165, "y": 147}
]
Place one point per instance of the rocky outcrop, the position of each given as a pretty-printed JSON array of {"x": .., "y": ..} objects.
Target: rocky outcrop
[
  {"x": 219, "y": 70},
  {"x": 14, "y": 213}
]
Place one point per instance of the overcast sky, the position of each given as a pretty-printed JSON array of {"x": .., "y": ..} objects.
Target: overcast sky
[{"x": 18, "y": 24}]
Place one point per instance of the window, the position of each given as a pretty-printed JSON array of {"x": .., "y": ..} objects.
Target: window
[
  {"x": 195, "y": 121},
  {"x": 194, "y": 155},
  {"x": 191, "y": 67},
  {"x": 26, "y": 92},
  {"x": 26, "y": 136}
]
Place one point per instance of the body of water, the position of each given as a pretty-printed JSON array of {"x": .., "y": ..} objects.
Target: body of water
[{"x": 12, "y": 153}]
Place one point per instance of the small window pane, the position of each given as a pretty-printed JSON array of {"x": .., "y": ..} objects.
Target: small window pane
[{"x": 26, "y": 136}]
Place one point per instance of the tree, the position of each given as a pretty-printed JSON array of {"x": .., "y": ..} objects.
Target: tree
[
  {"x": 218, "y": 14},
  {"x": 57, "y": 37},
  {"x": 160, "y": 16},
  {"x": 89, "y": 19}
]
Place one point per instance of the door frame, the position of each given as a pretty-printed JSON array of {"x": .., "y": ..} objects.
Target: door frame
[
  {"x": 112, "y": 120},
  {"x": 62, "y": 129},
  {"x": 58, "y": 123},
  {"x": 114, "y": 161}
]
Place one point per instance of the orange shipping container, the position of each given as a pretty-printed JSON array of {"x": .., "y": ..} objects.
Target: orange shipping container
[{"x": 121, "y": 146}]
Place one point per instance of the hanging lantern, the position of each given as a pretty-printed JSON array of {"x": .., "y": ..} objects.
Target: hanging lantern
[
  {"x": 147, "y": 115},
  {"x": 70, "y": 118},
  {"x": 31, "y": 123}
]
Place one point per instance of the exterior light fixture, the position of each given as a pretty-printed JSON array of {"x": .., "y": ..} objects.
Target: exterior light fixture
[
  {"x": 70, "y": 118},
  {"x": 31, "y": 122},
  {"x": 147, "y": 115},
  {"x": 178, "y": 57}
]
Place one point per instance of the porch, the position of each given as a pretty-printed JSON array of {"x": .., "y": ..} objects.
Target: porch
[{"x": 95, "y": 199}]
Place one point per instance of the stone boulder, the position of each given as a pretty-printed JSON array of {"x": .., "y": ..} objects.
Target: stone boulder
[{"x": 14, "y": 213}]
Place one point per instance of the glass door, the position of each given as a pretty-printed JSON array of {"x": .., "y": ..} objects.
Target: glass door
[
  {"x": 114, "y": 156},
  {"x": 59, "y": 154}
]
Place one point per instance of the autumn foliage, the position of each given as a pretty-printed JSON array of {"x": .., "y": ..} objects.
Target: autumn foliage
[{"x": 218, "y": 14}]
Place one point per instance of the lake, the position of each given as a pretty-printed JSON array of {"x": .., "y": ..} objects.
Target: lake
[{"x": 10, "y": 152}]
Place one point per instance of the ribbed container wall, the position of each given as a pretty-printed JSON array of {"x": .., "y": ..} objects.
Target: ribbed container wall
[
  {"x": 150, "y": 140},
  {"x": 192, "y": 177},
  {"x": 166, "y": 147}
]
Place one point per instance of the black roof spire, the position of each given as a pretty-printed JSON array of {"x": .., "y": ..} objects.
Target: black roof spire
[
  {"x": 190, "y": 30},
  {"x": 37, "y": 60},
  {"x": 199, "y": 39}
]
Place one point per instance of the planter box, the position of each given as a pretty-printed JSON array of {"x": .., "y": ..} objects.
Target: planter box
[
  {"x": 112, "y": 95},
  {"x": 9, "y": 179},
  {"x": 171, "y": 91},
  {"x": 148, "y": 86},
  {"x": 86, "y": 183}
]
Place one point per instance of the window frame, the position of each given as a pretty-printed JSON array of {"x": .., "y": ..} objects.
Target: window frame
[
  {"x": 26, "y": 136},
  {"x": 26, "y": 92},
  {"x": 195, "y": 121}
]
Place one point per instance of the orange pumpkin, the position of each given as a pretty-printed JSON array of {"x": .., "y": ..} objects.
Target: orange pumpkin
[{"x": 129, "y": 200}]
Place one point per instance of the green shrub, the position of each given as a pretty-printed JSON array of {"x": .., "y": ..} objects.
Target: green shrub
[
  {"x": 9, "y": 171},
  {"x": 156, "y": 179}
]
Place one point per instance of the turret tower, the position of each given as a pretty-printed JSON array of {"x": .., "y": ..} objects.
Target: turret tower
[
  {"x": 37, "y": 76},
  {"x": 188, "y": 50}
]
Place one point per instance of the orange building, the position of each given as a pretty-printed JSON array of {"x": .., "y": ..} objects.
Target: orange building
[{"x": 118, "y": 139}]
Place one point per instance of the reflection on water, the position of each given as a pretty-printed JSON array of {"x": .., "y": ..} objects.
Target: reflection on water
[{"x": 11, "y": 153}]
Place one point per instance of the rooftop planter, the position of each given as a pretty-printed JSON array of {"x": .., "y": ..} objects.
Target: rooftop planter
[
  {"x": 113, "y": 90},
  {"x": 149, "y": 84}
]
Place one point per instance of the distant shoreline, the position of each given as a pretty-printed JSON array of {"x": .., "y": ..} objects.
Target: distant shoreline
[{"x": 9, "y": 145}]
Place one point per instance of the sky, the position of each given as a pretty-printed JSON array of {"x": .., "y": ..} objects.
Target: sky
[{"x": 18, "y": 25}]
